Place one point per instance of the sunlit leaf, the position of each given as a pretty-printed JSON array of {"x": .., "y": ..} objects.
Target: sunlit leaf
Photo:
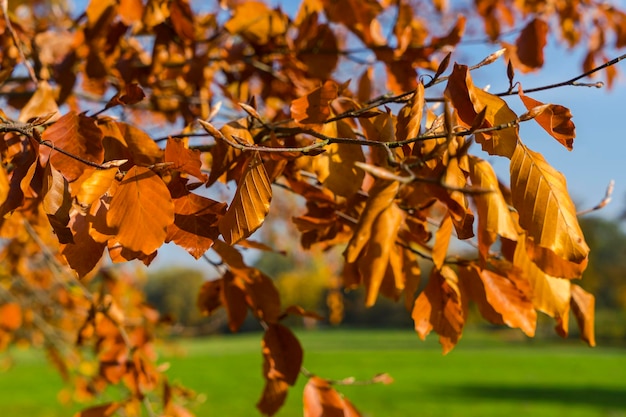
[
  {"x": 42, "y": 102},
  {"x": 141, "y": 210},
  {"x": 256, "y": 22},
  {"x": 442, "y": 240},
  {"x": 469, "y": 101},
  {"x": 10, "y": 316},
  {"x": 94, "y": 187},
  {"x": 57, "y": 203},
  {"x": 410, "y": 116},
  {"x": 546, "y": 210},
  {"x": 321, "y": 400},
  {"x": 184, "y": 159},
  {"x": 359, "y": 17},
  {"x": 273, "y": 397},
  {"x": 314, "y": 108},
  {"x": 554, "y": 119},
  {"x": 250, "y": 204}
]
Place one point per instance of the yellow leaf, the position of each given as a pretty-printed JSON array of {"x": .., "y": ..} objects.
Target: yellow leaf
[
  {"x": 41, "y": 103},
  {"x": 381, "y": 196},
  {"x": 335, "y": 168},
  {"x": 549, "y": 294},
  {"x": 546, "y": 212},
  {"x": 410, "y": 116},
  {"x": 494, "y": 216},
  {"x": 141, "y": 210},
  {"x": 442, "y": 240},
  {"x": 256, "y": 22},
  {"x": 314, "y": 108},
  {"x": 94, "y": 187},
  {"x": 250, "y": 205}
]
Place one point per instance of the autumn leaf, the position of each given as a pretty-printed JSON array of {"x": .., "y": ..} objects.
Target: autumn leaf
[
  {"x": 104, "y": 410},
  {"x": 95, "y": 185},
  {"x": 494, "y": 217},
  {"x": 320, "y": 399},
  {"x": 124, "y": 141},
  {"x": 42, "y": 102},
  {"x": 442, "y": 240},
  {"x": 546, "y": 210},
  {"x": 84, "y": 253},
  {"x": 195, "y": 220},
  {"x": 256, "y": 22},
  {"x": 359, "y": 17},
  {"x": 261, "y": 295},
  {"x": 583, "y": 304},
  {"x": 57, "y": 203},
  {"x": 499, "y": 300},
  {"x": 210, "y": 296},
  {"x": 528, "y": 52},
  {"x": 410, "y": 116},
  {"x": 314, "y": 108},
  {"x": 554, "y": 119},
  {"x": 282, "y": 354},
  {"x": 250, "y": 204},
  {"x": 78, "y": 135},
  {"x": 439, "y": 307},
  {"x": 273, "y": 396},
  {"x": 141, "y": 210},
  {"x": 10, "y": 316},
  {"x": 184, "y": 159},
  {"x": 469, "y": 101},
  {"x": 234, "y": 300}
]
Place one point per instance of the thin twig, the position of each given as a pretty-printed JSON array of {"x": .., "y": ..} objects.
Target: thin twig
[
  {"x": 5, "y": 11},
  {"x": 606, "y": 200}
]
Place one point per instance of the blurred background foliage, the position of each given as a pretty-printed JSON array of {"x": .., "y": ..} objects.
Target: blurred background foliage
[{"x": 313, "y": 282}]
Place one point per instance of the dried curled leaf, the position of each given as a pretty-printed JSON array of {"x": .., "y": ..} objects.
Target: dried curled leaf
[{"x": 582, "y": 304}]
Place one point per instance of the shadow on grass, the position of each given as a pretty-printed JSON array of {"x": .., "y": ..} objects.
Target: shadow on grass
[{"x": 607, "y": 398}]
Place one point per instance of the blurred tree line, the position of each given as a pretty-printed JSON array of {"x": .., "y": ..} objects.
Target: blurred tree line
[{"x": 313, "y": 283}]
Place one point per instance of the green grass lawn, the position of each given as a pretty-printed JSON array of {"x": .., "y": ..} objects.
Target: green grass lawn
[{"x": 483, "y": 376}]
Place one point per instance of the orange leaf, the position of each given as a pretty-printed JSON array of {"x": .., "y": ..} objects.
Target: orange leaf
[
  {"x": 182, "y": 20},
  {"x": 410, "y": 116},
  {"x": 314, "y": 108},
  {"x": 130, "y": 11},
  {"x": 123, "y": 141},
  {"x": 320, "y": 399},
  {"x": 210, "y": 296},
  {"x": 94, "y": 186},
  {"x": 132, "y": 94},
  {"x": 79, "y": 135},
  {"x": 10, "y": 316},
  {"x": 41, "y": 103},
  {"x": 469, "y": 101},
  {"x": 141, "y": 210},
  {"x": 494, "y": 291},
  {"x": 554, "y": 119},
  {"x": 273, "y": 397},
  {"x": 439, "y": 307},
  {"x": 282, "y": 354},
  {"x": 358, "y": 16},
  {"x": 262, "y": 295},
  {"x": 582, "y": 304},
  {"x": 250, "y": 204},
  {"x": 184, "y": 159},
  {"x": 195, "y": 220}
]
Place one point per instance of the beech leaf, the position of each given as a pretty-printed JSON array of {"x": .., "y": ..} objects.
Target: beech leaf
[
  {"x": 250, "y": 204},
  {"x": 141, "y": 210},
  {"x": 320, "y": 399},
  {"x": 282, "y": 354},
  {"x": 314, "y": 108},
  {"x": 184, "y": 159},
  {"x": 546, "y": 211},
  {"x": 582, "y": 304}
]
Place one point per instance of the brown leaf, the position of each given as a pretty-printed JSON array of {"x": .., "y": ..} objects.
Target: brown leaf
[
  {"x": 104, "y": 410},
  {"x": 210, "y": 296},
  {"x": 554, "y": 119},
  {"x": 123, "y": 141},
  {"x": 182, "y": 19},
  {"x": 250, "y": 204},
  {"x": 94, "y": 186},
  {"x": 78, "y": 135},
  {"x": 57, "y": 203},
  {"x": 358, "y": 16},
  {"x": 262, "y": 295},
  {"x": 84, "y": 254},
  {"x": 141, "y": 210},
  {"x": 530, "y": 44},
  {"x": 273, "y": 397},
  {"x": 469, "y": 101},
  {"x": 314, "y": 108},
  {"x": 184, "y": 159},
  {"x": 132, "y": 94},
  {"x": 582, "y": 304},
  {"x": 234, "y": 300},
  {"x": 546, "y": 210},
  {"x": 439, "y": 307},
  {"x": 195, "y": 220},
  {"x": 282, "y": 354}
]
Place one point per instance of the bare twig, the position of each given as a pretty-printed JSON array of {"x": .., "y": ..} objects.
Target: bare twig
[
  {"x": 606, "y": 200},
  {"x": 4, "y": 4}
]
